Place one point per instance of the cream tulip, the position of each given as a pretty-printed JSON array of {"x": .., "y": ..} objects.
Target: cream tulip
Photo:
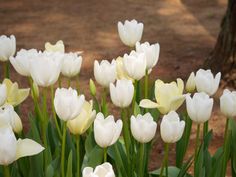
[
  {"x": 3, "y": 94},
  {"x": 143, "y": 127},
  {"x": 205, "y": 81},
  {"x": 7, "y": 47},
  {"x": 122, "y": 94},
  {"x": 105, "y": 72},
  {"x": 83, "y": 121},
  {"x": 12, "y": 149},
  {"x": 106, "y": 130},
  {"x": 171, "y": 127},
  {"x": 67, "y": 103},
  {"x": 190, "y": 84},
  {"x": 135, "y": 64},
  {"x": 169, "y": 96},
  {"x": 58, "y": 47},
  {"x": 120, "y": 70},
  {"x": 199, "y": 107},
  {"x": 130, "y": 32},
  {"x": 228, "y": 103},
  {"x": 151, "y": 52},
  {"x": 104, "y": 170}
]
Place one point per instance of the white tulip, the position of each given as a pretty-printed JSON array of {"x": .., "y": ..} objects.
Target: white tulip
[
  {"x": 67, "y": 103},
  {"x": 151, "y": 52},
  {"x": 143, "y": 128},
  {"x": 12, "y": 149},
  {"x": 105, "y": 72},
  {"x": 135, "y": 64},
  {"x": 104, "y": 170},
  {"x": 7, "y": 47},
  {"x": 45, "y": 68},
  {"x": 190, "y": 84},
  {"x": 228, "y": 103},
  {"x": 106, "y": 131},
  {"x": 171, "y": 127},
  {"x": 71, "y": 64},
  {"x": 130, "y": 32},
  {"x": 3, "y": 93},
  {"x": 10, "y": 118},
  {"x": 21, "y": 62},
  {"x": 122, "y": 94},
  {"x": 199, "y": 107},
  {"x": 58, "y": 47},
  {"x": 205, "y": 81}
]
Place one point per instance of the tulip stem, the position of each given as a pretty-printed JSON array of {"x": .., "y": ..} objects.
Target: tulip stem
[
  {"x": 63, "y": 150},
  {"x": 69, "y": 82},
  {"x": 104, "y": 104},
  {"x": 135, "y": 95},
  {"x": 6, "y": 171},
  {"x": 6, "y": 69},
  {"x": 141, "y": 152},
  {"x": 105, "y": 155},
  {"x": 197, "y": 141},
  {"x": 205, "y": 129},
  {"x": 78, "y": 155},
  {"x": 146, "y": 84},
  {"x": 165, "y": 161},
  {"x": 59, "y": 82}
]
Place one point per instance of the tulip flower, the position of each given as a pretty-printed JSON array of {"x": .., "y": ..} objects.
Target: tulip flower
[
  {"x": 135, "y": 64},
  {"x": 122, "y": 94},
  {"x": 130, "y": 32},
  {"x": 143, "y": 128},
  {"x": 151, "y": 52},
  {"x": 92, "y": 88},
  {"x": 171, "y": 127},
  {"x": 199, "y": 107},
  {"x": 120, "y": 70},
  {"x": 71, "y": 64},
  {"x": 3, "y": 94},
  {"x": 10, "y": 118},
  {"x": 228, "y": 103},
  {"x": 21, "y": 62},
  {"x": 105, "y": 72},
  {"x": 169, "y": 96},
  {"x": 7, "y": 47},
  {"x": 190, "y": 84},
  {"x": 205, "y": 81},
  {"x": 104, "y": 170},
  {"x": 15, "y": 96},
  {"x": 45, "y": 68},
  {"x": 67, "y": 103},
  {"x": 82, "y": 122},
  {"x": 58, "y": 47},
  {"x": 12, "y": 149},
  {"x": 106, "y": 130}
]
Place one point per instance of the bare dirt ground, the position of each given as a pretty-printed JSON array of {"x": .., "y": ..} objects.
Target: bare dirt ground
[{"x": 185, "y": 29}]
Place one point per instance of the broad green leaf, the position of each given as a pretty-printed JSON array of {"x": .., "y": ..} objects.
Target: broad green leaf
[
  {"x": 69, "y": 166},
  {"x": 93, "y": 158}
]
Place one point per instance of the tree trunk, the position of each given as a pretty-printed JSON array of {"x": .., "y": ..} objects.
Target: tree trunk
[{"x": 222, "y": 58}]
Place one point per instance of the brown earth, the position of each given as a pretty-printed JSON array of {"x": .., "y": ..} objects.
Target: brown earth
[{"x": 186, "y": 31}]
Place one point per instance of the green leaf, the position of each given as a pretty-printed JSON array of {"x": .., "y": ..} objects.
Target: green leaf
[
  {"x": 136, "y": 109},
  {"x": 69, "y": 166},
  {"x": 172, "y": 172},
  {"x": 50, "y": 171}
]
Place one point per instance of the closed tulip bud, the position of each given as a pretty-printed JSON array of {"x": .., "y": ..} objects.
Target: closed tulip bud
[
  {"x": 190, "y": 85},
  {"x": 82, "y": 122},
  {"x": 12, "y": 149},
  {"x": 106, "y": 131},
  {"x": 105, "y": 72},
  {"x": 104, "y": 170},
  {"x": 135, "y": 64},
  {"x": 67, "y": 103},
  {"x": 205, "y": 81},
  {"x": 199, "y": 107},
  {"x": 21, "y": 62},
  {"x": 45, "y": 68},
  {"x": 122, "y": 94},
  {"x": 171, "y": 127},
  {"x": 7, "y": 47},
  {"x": 151, "y": 52},
  {"x": 130, "y": 32},
  {"x": 3, "y": 94},
  {"x": 71, "y": 64},
  {"x": 143, "y": 128},
  {"x": 92, "y": 87},
  {"x": 58, "y": 47},
  {"x": 169, "y": 96},
  {"x": 228, "y": 103}
]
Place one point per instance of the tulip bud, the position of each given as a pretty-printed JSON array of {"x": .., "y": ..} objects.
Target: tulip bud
[
  {"x": 143, "y": 128},
  {"x": 106, "y": 131},
  {"x": 3, "y": 94},
  {"x": 190, "y": 85},
  {"x": 171, "y": 127},
  {"x": 67, "y": 103},
  {"x": 58, "y": 47},
  {"x": 228, "y": 103},
  {"x": 130, "y": 32},
  {"x": 199, "y": 107},
  {"x": 7, "y": 47},
  {"x": 92, "y": 87},
  {"x": 122, "y": 94},
  {"x": 36, "y": 90},
  {"x": 104, "y": 170}
]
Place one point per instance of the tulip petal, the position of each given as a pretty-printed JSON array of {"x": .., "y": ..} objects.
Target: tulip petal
[{"x": 145, "y": 103}]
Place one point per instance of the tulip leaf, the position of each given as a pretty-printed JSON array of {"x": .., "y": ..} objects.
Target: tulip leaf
[
  {"x": 50, "y": 171},
  {"x": 172, "y": 172},
  {"x": 93, "y": 158},
  {"x": 69, "y": 166},
  {"x": 136, "y": 109}
]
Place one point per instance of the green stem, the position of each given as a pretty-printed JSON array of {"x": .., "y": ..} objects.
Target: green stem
[
  {"x": 104, "y": 104},
  {"x": 78, "y": 155},
  {"x": 105, "y": 155},
  {"x": 146, "y": 84},
  {"x": 6, "y": 69},
  {"x": 59, "y": 82},
  {"x": 226, "y": 131},
  {"x": 135, "y": 95},
  {"x": 205, "y": 129},
  {"x": 6, "y": 171},
  {"x": 120, "y": 161},
  {"x": 44, "y": 127},
  {"x": 141, "y": 157},
  {"x": 165, "y": 161},
  {"x": 63, "y": 150},
  {"x": 69, "y": 82},
  {"x": 197, "y": 141}
]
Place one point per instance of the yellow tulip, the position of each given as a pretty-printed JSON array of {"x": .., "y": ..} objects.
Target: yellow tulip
[
  {"x": 169, "y": 96},
  {"x": 15, "y": 96},
  {"x": 83, "y": 121},
  {"x": 120, "y": 70},
  {"x": 58, "y": 47}
]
